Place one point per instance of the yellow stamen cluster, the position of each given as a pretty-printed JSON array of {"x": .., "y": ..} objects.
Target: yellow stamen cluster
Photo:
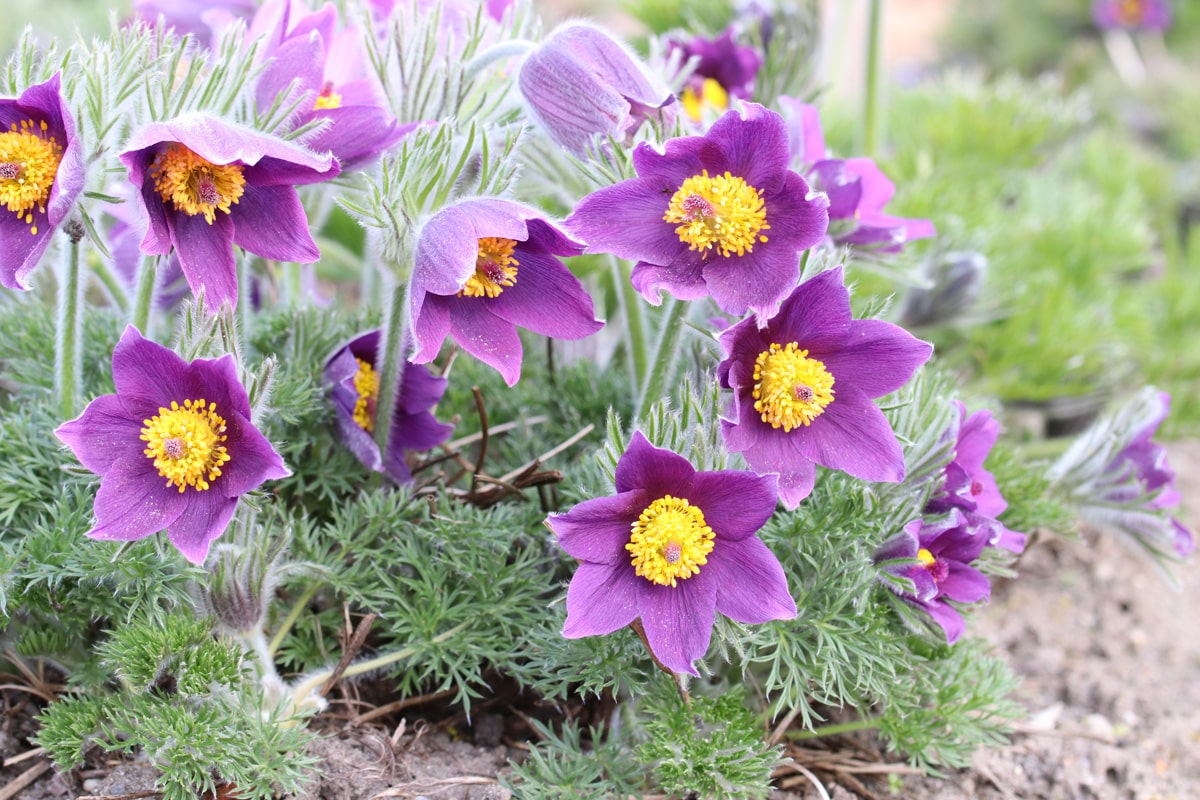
[
  {"x": 194, "y": 184},
  {"x": 495, "y": 268},
  {"x": 1131, "y": 12},
  {"x": 366, "y": 383},
  {"x": 722, "y": 214},
  {"x": 29, "y": 159},
  {"x": 711, "y": 95},
  {"x": 328, "y": 98},
  {"x": 670, "y": 541},
  {"x": 790, "y": 389},
  {"x": 185, "y": 443},
  {"x": 925, "y": 557}
]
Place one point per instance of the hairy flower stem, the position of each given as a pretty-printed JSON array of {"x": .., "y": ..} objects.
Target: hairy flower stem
[
  {"x": 866, "y": 723},
  {"x": 653, "y": 381},
  {"x": 872, "y": 125},
  {"x": 391, "y": 361},
  {"x": 143, "y": 298},
  {"x": 68, "y": 350},
  {"x": 291, "y": 618}
]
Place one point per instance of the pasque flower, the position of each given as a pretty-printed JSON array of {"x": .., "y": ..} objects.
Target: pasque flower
[
  {"x": 208, "y": 185},
  {"x": 673, "y": 547},
  {"x": 351, "y": 373},
  {"x": 724, "y": 69},
  {"x": 803, "y": 387},
  {"x": 197, "y": 18},
  {"x": 41, "y": 175},
  {"x": 581, "y": 84},
  {"x": 719, "y": 214},
  {"x": 1146, "y": 15},
  {"x": 942, "y": 552},
  {"x": 487, "y": 266},
  {"x": 175, "y": 447}
]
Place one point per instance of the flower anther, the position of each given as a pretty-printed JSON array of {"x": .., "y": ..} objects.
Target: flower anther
[
  {"x": 670, "y": 541},
  {"x": 790, "y": 389},
  {"x": 194, "y": 184},
  {"x": 366, "y": 383},
  {"x": 937, "y": 568},
  {"x": 29, "y": 160},
  {"x": 328, "y": 98},
  {"x": 723, "y": 214},
  {"x": 495, "y": 268},
  {"x": 185, "y": 443},
  {"x": 711, "y": 95}
]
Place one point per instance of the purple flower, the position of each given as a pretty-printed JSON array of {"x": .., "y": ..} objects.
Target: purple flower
[
  {"x": 207, "y": 185},
  {"x": 725, "y": 69},
  {"x": 1144, "y": 15},
  {"x": 486, "y": 267},
  {"x": 190, "y": 16},
  {"x": 719, "y": 214},
  {"x": 175, "y": 447},
  {"x": 1141, "y": 469},
  {"x": 41, "y": 174},
  {"x": 858, "y": 191},
  {"x": 354, "y": 388},
  {"x": 972, "y": 489},
  {"x": 329, "y": 69},
  {"x": 943, "y": 552},
  {"x": 803, "y": 387},
  {"x": 581, "y": 83},
  {"x": 673, "y": 547},
  {"x": 806, "y": 140}
]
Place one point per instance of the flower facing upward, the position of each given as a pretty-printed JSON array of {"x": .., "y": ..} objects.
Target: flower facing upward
[
  {"x": 207, "y": 185},
  {"x": 673, "y": 547},
  {"x": 41, "y": 174},
  {"x": 1144, "y": 15},
  {"x": 719, "y": 214},
  {"x": 803, "y": 387},
  {"x": 943, "y": 552},
  {"x": 354, "y": 388},
  {"x": 485, "y": 267},
  {"x": 174, "y": 447},
  {"x": 724, "y": 69}
]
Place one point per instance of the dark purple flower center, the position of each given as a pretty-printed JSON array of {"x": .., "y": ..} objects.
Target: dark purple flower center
[
  {"x": 803, "y": 392},
  {"x": 673, "y": 552},
  {"x": 328, "y": 98},
  {"x": 173, "y": 448},
  {"x": 9, "y": 171},
  {"x": 696, "y": 207}
]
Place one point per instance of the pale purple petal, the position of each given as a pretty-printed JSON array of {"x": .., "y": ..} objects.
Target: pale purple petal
[
  {"x": 816, "y": 316},
  {"x": 753, "y": 588},
  {"x": 489, "y": 338},
  {"x": 546, "y": 299},
  {"x": 627, "y": 221},
  {"x": 597, "y": 530},
  {"x": 601, "y": 599},
  {"x": 206, "y": 255},
  {"x": 205, "y": 519},
  {"x": 656, "y": 470},
  {"x": 102, "y": 435},
  {"x": 757, "y": 281},
  {"x": 134, "y": 502},
  {"x": 678, "y": 620}
]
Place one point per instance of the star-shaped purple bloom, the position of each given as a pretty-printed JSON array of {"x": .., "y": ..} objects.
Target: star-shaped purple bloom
[
  {"x": 485, "y": 267},
  {"x": 943, "y": 552},
  {"x": 41, "y": 175},
  {"x": 353, "y": 381},
  {"x": 208, "y": 185},
  {"x": 673, "y": 547},
  {"x": 719, "y": 214},
  {"x": 858, "y": 190},
  {"x": 175, "y": 447},
  {"x": 803, "y": 387}
]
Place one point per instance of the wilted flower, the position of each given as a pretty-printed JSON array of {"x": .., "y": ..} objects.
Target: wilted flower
[
  {"x": 719, "y": 214},
  {"x": 41, "y": 174},
  {"x": 673, "y": 547},
  {"x": 581, "y": 83},
  {"x": 803, "y": 387},
  {"x": 175, "y": 447},
  {"x": 724, "y": 69},
  {"x": 971, "y": 488},
  {"x": 485, "y": 267},
  {"x": 351, "y": 373},
  {"x": 208, "y": 185},
  {"x": 942, "y": 552},
  {"x": 1145, "y": 15}
]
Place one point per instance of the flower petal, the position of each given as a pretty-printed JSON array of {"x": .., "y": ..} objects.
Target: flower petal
[
  {"x": 751, "y": 586},
  {"x": 735, "y": 503},
  {"x": 965, "y": 584},
  {"x": 757, "y": 281},
  {"x": 853, "y": 435},
  {"x": 546, "y": 298},
  {"x": 134, "y": 502},
  {"x": 654, "y": 469},
  {"x": 206, "y": 255},
  {"x": 876, "y": 357},
  {"x": 601, "y": 599},
  {"x": 270, "y": 222},
  {"x": 597, "y": 530},
  {"x": 205, "y": 519},
  {"x": 102, "y": 435},
  {"x": 678, "y": 621},
  {"x": 489, "y": 338}
]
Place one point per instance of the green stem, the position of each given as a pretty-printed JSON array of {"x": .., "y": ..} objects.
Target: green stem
[
  {"x": 872, "y": 132},
  {"x": 633, "y": 309},
  {"x": 658, "y": 371},
  {"x": 391, "y": 362},
  {"x": 143, "y": 298},
  {"x": 290, "y": 619},
  {"x": 68, "y": 355},
  {"x": 116, "y": 289},
  {"x": 866, "y": 723}
]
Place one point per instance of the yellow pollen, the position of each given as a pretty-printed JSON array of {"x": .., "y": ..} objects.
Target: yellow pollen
[
  {"x": 925, "y": 557},
  {"x": 1131, "y": 12},
  {"x": 366, "y": 383},
  {"x": 29, "y": 160},
  {"x": 790, "y": 389},
  {"x": 724, "y": 214},
  {"x": 194, "y": 184},
  {"x": 670, "y": 541},
  {"x": 328, "y": 98},
  {"x": 711, "y": 95},
  {"x": 495, "y": 268},
  {"x": 185, "y": 443}
]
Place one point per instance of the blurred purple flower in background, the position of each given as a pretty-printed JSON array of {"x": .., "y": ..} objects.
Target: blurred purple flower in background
[
  {"x": 1143, "y": 15},
  {"x": 724, "y": 69},
  {"x": 673, "y": 547},
  {"x": 200, "y": 19}
]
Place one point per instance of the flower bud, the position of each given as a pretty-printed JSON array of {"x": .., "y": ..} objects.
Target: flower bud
[
  {"x": 582, "y": 83},
  {"x": 955, "y": 279}
]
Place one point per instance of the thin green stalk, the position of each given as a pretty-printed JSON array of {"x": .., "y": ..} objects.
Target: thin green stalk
[
  {"x": 391, "y": 361},
  {"x": 68, "y": 350},
  {"x": 872, "y": 131},
  {"x": 866, "y": 723},
  {"x": 116, "y": 288},
  {"x": 143, "y": 298},
  {"x": 633, "y": 309},
  {"x": 290, "y": 619},
  {"x": 662, "y": 365}
]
